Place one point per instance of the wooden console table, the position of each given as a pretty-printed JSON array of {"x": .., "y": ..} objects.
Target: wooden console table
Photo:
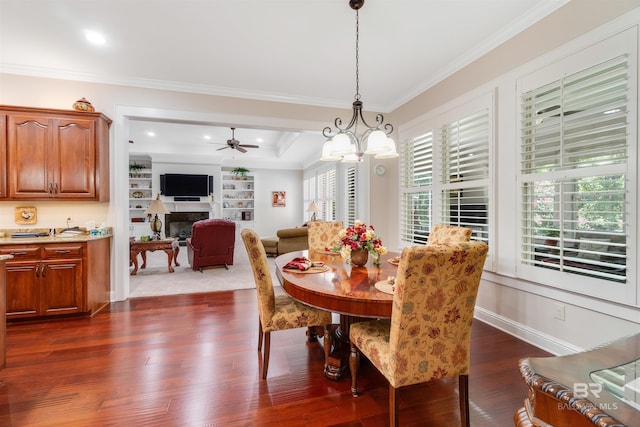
[
  {"x": 599, "y": 387},
  {"x": 170, "y": 246}
]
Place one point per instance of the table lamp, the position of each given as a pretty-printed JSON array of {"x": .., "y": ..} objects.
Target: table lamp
[
  {"x": 313, "y": 208},
  {"x": 156, "y": 207}
]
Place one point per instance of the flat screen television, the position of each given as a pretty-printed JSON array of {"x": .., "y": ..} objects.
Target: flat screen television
[{"x": 176, "y": 184}]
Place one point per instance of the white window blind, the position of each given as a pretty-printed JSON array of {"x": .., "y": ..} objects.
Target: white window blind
[
  {"x": 416, "y": 177},
  {"x": 320, "y": 187},
  {"x": 574, "y": 173},
  {"x": 350, "y": 195},
  {"x": 327, "y": 195},
  {"x": 465, "y": 173}
]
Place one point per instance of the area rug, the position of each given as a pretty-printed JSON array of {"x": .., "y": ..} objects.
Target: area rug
[{"x": 155, "y": 280}]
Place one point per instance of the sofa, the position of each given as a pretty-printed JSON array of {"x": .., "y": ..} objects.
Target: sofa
[
  {"x": 292, "y": 239},
  {"x": 211, "y": 243}
]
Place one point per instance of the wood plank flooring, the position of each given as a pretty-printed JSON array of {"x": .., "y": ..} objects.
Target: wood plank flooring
[{"x": 192, "y": 360}]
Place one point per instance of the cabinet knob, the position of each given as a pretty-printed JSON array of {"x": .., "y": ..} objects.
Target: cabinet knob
[{"x": 37, "y": 270}]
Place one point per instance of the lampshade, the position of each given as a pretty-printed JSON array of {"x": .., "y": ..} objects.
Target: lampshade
[
  {"x": 156, "y": 207},
  {"x": 313, "y": 208}
]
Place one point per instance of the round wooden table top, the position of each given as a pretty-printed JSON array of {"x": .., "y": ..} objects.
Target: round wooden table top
[{"x": 342, "y": 288}]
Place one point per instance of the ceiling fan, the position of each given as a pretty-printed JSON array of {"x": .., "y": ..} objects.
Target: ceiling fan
[{"x": 234, "y": 144}]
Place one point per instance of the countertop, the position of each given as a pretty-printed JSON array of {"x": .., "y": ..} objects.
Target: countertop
[{"x": 8, "y": 240}]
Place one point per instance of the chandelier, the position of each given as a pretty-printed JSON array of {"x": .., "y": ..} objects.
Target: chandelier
[{"x": 345, "y": 143}]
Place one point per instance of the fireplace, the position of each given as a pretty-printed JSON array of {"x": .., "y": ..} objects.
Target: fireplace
[{"x": 178, "y": 224}]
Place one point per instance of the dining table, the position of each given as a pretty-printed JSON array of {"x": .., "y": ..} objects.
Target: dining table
[{"x": 354, "y": 293}]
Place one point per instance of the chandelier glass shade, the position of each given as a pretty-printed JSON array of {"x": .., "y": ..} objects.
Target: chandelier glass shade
[{"x": 346, "y": 143}]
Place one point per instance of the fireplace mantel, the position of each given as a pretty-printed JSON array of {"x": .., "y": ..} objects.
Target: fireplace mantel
[{"x": 190, "y": 206}]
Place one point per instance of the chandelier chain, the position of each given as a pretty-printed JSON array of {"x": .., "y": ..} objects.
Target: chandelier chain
[{"x": 357, "y": 97}]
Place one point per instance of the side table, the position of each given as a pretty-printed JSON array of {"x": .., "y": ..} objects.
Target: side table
[{"x": 170, "y": 246}]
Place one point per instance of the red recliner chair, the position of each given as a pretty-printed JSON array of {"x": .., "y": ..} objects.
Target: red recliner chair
[{"x": 211, "y": 243}]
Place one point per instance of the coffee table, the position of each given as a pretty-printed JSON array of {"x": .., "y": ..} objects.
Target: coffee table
[{"x": 170, "y": 246}]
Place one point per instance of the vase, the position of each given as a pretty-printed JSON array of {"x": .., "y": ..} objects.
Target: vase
[{"x": 359, "y": 257}]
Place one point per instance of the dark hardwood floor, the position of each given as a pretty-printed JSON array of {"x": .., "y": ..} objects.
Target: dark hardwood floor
[{"x": 192, "y": 360}]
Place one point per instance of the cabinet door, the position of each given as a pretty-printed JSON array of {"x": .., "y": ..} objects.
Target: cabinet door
[
  {"x": 30, "y": 156},
  {"x": 74, "y": 174},
  {"x": 22, "y": 289},
  {"x": 3, "y": 157},
  {"x": 61, "y": 287}
]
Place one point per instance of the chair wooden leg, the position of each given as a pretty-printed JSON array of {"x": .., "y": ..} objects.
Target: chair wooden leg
[
  {"x": 260, "y": 334},
  {"x": 463, "y": 392},
  {"x": 267, "y": 348},
  {"x": 393, "y": 406},
  {"x": 354, "y": 366}
]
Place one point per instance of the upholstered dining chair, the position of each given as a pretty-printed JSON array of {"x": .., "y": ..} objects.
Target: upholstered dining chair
[
  {"x": 278, "y": 312},
  {"x": 323, "y": 234},
  {"x": 442, "y": 233},
  {"x": 428, "y": 337}
]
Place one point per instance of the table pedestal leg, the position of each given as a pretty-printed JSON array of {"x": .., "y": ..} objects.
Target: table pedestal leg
[{"x": 338, "y": 360}]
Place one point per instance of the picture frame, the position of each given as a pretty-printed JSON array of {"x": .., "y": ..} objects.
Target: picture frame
[
  {"x": 278, "y": 199},
  {"x": 26, "y": 215}
]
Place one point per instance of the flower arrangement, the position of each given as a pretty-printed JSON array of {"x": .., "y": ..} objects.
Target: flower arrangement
[{"x": 359, "y": 236}]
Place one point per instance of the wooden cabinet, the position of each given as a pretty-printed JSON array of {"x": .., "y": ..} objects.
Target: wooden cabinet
[
  {"x": 57, "y": 278},
  {"x": 3, "y": 158},
  {"x": 55, "y": 154}
]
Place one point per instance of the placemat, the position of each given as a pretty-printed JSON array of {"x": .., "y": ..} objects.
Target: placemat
[{"x": 320, "y": 269}]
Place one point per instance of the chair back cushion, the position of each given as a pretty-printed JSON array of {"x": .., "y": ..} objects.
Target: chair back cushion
[
  {"x": 323, "y": 234},
  {"x": 261, "y": 274},
  {"x": 442, "y": 233},
  {"x": 436, "y": 289}
]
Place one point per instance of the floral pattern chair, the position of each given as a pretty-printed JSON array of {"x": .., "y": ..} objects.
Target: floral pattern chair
[
  {"x": 323, "y": 234},
  {"x": 429, "y": 334},
  {"x": 277, "y": 313},
  {"x": 442, "y": 233}
]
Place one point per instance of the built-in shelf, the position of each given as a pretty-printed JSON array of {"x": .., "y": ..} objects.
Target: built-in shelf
[{"x": 238, "y": 198}]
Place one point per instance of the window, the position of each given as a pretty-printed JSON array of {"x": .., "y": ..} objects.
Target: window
[
  {"x": 416, "y": 179},
  {"x": 350, "y": 202},
  {"x": 320, "y": 186},
  {"x": 574, "y": 174},
  {"x": 460, "y": 159},
  {"x": 465, "y": 173}
]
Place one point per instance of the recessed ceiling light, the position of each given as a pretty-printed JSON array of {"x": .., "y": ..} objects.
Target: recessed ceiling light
[
  {"x": 95, "y": 37},
  {"x": 151, "y": 133},
  {"x": 259, "y": 139},
  {"x": 207, "y": 137}
]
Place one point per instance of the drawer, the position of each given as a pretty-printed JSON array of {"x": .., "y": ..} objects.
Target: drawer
[
  {"x": 20, "y": 253},
  {"x": 62, "y": 251}
]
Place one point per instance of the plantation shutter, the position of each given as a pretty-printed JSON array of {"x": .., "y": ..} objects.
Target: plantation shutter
[
  {"x": 574, "y": 172},
  {"x": 465, "y": 173},
  {"x": 416, "y": 180},
  {"x": 350, "y": 196},
  {"x": 326, "y": 194}
]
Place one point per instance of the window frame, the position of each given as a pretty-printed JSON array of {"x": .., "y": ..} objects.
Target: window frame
[{"x": 620, "y": 44}]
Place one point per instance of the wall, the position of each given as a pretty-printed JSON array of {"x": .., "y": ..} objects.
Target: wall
[{"x": 523, "y": 308}]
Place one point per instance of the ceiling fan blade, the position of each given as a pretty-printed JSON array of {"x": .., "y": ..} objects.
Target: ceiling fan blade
[
  {"x": 222, "y": 148},
  {"x": 249, "y": 146},
  {"x": 240, "y": 149}
]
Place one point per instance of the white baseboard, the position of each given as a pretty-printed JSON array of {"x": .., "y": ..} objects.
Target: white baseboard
[{"x": 525, "y": 333}]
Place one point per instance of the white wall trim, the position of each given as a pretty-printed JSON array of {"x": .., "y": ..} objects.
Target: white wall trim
[{"x": 525, "y": 333}]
